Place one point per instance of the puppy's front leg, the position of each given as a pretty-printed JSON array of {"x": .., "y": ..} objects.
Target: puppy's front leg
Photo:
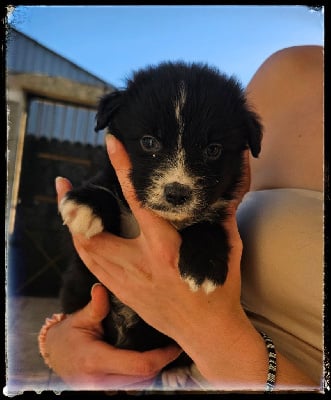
[
  {"x": 91, "y": 209},
  {"x": 203, "y": 258}
]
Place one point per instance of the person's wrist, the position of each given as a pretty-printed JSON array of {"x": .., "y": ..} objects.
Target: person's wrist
[{"x": 231, "y": 355}]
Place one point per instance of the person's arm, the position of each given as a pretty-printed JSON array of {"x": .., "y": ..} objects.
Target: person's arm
[
  {"x": 287, "y": 92},
  {"x": 212, "y": 329}
]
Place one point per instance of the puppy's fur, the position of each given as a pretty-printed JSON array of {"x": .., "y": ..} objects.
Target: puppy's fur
[{"x": 185, "y": 128}]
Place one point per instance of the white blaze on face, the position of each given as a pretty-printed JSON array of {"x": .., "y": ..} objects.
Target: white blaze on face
[
  {"x": 175, "y": 170},
  {"x": 178, "y": 172},
  {"x": 179, "y": 104}
]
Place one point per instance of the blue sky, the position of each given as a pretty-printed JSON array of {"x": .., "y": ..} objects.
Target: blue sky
[{"x": 111, "y": 41}]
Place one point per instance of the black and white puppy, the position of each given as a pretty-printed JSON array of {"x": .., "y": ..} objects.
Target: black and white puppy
[{"x": 185, "y": 128}]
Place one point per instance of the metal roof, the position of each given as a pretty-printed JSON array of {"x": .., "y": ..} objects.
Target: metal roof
[
  {"x": 51, "y": 118},
  {"x": 25, "y": 54},
  {"x": 62, "y": 122}
]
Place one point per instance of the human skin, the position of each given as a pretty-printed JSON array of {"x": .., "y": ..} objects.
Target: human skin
[
  {"x": 287, "y": 93},
  {"x": 143, "y": 273},
  {"x": 213, "y": 329},
  {"x": 76, "y": 351}
]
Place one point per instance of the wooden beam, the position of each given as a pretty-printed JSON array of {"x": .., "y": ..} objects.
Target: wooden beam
[
  {"x": 58, "y": 157},
  {"x": 58, "y": 88}
]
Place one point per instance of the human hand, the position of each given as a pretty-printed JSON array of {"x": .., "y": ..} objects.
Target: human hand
[
  {"x": 76, "y": 351},
  {"x": 143, "y": 272}
]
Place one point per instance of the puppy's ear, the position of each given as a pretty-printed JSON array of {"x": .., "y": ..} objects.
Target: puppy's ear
[
  {"x": 107, "y": 107},
  {"x": 255, "y": 129}
]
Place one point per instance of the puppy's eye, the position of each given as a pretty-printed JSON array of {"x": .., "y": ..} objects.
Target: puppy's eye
[
  {"x": 150, "y": 143},
  {"x": 213, "y": 151}
]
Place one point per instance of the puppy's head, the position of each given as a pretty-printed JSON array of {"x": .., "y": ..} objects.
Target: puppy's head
[{"x": 185, "y": 127}]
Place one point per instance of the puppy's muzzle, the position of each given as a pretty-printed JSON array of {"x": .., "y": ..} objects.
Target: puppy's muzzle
[{"x": 177, "y": 194}]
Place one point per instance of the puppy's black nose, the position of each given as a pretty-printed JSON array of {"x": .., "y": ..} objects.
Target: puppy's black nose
[{"x": 177, "y": 194}]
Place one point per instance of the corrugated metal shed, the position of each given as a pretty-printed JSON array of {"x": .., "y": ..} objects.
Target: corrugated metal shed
[
  {"x": 52, "y": 107},
  {"x": 50, "y": 118},
  {"x": 24, "y": 54},
  {"x": 55, "y": 120}
]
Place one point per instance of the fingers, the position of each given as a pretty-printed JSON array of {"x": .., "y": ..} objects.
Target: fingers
[
  {"x": 99, "y": 305},
  {"x": 246, "y": 173},
  {"x": 115, "y": 276},
  {"x": 243, "y": 186},
  {"x": 129, "y": 363},
  {"x": 132, "y": 370},
  {"x": 106, "y": 266},
  {"x": 142, "y": 364},
  {"x": 94, "y": 312},
  {"x": 62, "y": 186},
  {"x": 122, "y": 165},
  {"x": 149, "y": 222}
]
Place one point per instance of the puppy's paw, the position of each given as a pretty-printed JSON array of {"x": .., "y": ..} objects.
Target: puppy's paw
[
  {"x": 80, "y": 218},
  {"x": 203, "y": 258},
  {"x": 207, "y": 285}
]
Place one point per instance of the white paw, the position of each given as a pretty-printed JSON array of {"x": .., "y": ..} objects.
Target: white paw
[
  {"x": 80, "y": 218},
  {"x": 207, "y": 285}
]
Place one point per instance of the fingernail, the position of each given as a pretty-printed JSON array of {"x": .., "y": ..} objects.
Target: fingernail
[
  {"x": 111, "y": 144},
  {"x": 95, "y": 285},
  {"x": 57, "y": 182}
]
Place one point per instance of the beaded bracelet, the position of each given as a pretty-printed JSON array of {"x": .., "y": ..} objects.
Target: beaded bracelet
[
  {"x": 55, "y": 319},
  {"x": 272, "y": 367}
]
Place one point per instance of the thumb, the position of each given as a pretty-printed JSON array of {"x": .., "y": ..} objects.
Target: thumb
[
  {"x": 96, "y": 310},
  {"x": 149, "y": 222},
  {"x": 244, "y": 185},
  {"x": 99, "y": 304},
  {"x": 62, "y": 186}
]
